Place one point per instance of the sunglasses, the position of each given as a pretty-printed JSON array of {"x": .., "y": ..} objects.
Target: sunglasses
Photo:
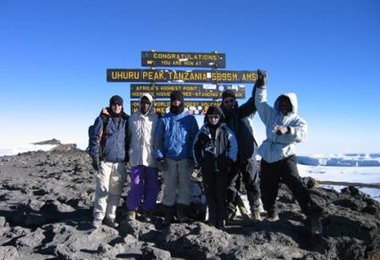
[
  {"x": 145, "y": 102},
  {"x": 117, "y": 104},
  {"x": 212, "y": 116},
  {"x": 229, "y": 100}
]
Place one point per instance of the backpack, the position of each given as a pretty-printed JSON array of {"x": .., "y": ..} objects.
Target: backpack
[{"x": 91, "y": 134}]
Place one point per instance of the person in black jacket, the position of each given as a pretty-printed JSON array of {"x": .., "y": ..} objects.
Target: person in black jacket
[
  {"x": 239, "y": 120},
  {"x": 215, "y": 150}
]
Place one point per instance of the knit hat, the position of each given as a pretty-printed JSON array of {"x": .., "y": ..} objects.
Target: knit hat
[
  {"x": 228, "y": 93},
  {"x": 176, "y": 95},
  {"x": 116, "y": 100}
]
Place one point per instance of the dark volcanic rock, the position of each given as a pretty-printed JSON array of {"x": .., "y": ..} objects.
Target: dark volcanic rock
[{"x": 46, "y": 203}]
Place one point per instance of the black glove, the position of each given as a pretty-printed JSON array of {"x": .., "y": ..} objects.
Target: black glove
[
  {"x": 261, "y": 81},
  {"x": 95, "y": 163},
  {"x": 126, "y": 160},
  {"x": 161, "y": 163}
]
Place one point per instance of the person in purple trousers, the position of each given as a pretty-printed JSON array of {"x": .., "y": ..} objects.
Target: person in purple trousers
[{"x": 144, "y": 172}]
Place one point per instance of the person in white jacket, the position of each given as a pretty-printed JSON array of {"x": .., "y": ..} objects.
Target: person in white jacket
[
  {"x": 144, "y": 172},
  {"x": 284, "y": 128}
]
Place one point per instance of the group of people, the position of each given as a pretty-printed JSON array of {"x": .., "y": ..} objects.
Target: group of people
[{"x": 224, "y": 149}]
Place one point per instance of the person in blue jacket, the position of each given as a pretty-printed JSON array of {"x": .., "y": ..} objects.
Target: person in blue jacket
[
  {"x": 284, "y": 129},
  {"x": 108, "y": 150},
  {"x": 174, "y": 137},
  {"x": 215, "y": 151}
]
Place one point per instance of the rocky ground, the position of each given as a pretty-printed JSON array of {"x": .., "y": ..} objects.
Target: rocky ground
[{"x": 45, "y": 213}]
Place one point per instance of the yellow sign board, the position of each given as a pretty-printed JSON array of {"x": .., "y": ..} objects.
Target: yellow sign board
[{"x": 195, "y": 76}]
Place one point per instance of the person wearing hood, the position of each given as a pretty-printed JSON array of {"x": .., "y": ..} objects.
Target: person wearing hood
[
  {"x": 284, "y": 129},
  {"x": 174, "y": 138},
  {"x": 215, "y": 151},
  {"x": 108, "y": 150},
  {"x": 144, "y": 172},
  {"x": 240, "y": 120}
]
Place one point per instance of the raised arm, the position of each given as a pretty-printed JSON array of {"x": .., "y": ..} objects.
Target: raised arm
[{"x": 260, "y": 92}]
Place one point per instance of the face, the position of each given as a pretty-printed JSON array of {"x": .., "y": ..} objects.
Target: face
[
  {"x": 116, "y": 108},
  {"x": 213, "y": 119},
  {"x": 229, "y": 102},
  {"x": 284, "y": 105},
  {"x": 176, "y": 103},
  {"x": 144, "y": 105}
]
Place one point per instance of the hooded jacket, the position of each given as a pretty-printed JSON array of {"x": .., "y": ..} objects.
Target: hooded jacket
[
  {"x": 277, "y": 147},
  {"x": 212, "y": 155},
  {"x": 141, "y": 135},
  {"x": 175, "y": 135},
  {"x": 115, "y": 143}
]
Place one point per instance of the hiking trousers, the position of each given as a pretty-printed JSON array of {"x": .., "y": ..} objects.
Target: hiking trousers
[
  {"x": 177, "y": 183},
  {"x": 215, "y": 184},
  {"x": 249, "y": 171},
  {"x": 144, "y": 187},
  {"x": 109, "y": 185},
  {"x": 283, "y": 171}
]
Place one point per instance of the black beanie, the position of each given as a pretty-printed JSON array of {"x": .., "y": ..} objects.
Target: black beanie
[
  {"x": 116, "y": 100},
  {"x": 228, "y": 93},
  {"x": 176, "y": 95}
]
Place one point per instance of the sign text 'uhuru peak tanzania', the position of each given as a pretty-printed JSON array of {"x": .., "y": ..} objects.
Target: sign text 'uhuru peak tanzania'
[{"x": 196, "y": 76}]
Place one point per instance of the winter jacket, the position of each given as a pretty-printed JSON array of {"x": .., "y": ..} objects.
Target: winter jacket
[
  {"x": 240, "y": 121},
  {"x": 276, "y": 147},
  {"x": 215, "y": 155},
  {"x": 141, "y": 136},
  {"x": 175, "y": 135},
  {"x": 114, "y": 148}
]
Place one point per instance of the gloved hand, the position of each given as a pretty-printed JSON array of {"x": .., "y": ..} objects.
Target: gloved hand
[
  {"x": 261, "y": 81},
  {"x": 95, "y": 163},
  {"x": 161, "y": 163},
  {"x": 126, "y": 160},
  {"x": 281, "y": 130}
]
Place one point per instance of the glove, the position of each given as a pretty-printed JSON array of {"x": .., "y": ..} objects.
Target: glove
[
  {"x": 95, "y": 163},
  {"x": 261, "y": 81},
  {"x": 197, "y": 167},
  {"x": 161, "y": 163},
  {"x": 126, "y": 160}
]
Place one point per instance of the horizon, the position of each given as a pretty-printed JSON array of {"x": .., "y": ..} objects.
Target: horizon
[{"x": 55, "y": 56}]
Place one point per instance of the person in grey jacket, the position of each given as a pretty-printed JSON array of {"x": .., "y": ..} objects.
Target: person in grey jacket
[
  {"x": 284, "y": 128},
  {"x": 108, "y": 147}
]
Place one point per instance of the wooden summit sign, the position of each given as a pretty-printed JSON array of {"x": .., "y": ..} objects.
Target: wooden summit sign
[
  {"x": 201, "y": 91},
  {"x": 195, "y": 76},
  {"x": 183, "y": 59}
]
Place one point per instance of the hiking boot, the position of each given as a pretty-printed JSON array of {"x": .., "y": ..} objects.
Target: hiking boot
[
  {"x": 110, "y": 222},
  {"x": 181, "y": 213},
  {"x": 131, "y": 215},
  {"x": 314, "y": 222},
  {"x": 221, "y": 224},
  {"x": 96, "y": 223},
  {"x": 169, "y": 215},
  {"x": 256, "y": 217},
  {"x": 146, "y": 215},
  {"x": 272, "y": 217}
]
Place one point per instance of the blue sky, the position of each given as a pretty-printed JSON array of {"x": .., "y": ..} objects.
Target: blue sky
[{"x": 54, "y": 56}]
